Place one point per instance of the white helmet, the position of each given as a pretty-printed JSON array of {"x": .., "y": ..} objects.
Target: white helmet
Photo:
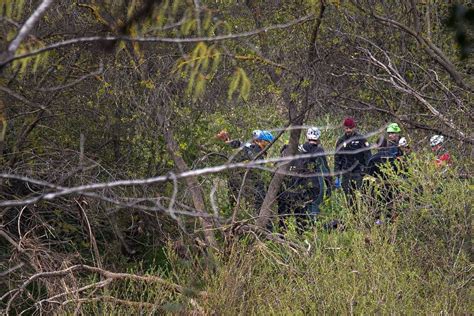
[
  {"x": 403, "y": 142},
  {"x": 256, "y": 134},
  {"x": 313, "y": 133},
  {"x": 436, "y": 140}
]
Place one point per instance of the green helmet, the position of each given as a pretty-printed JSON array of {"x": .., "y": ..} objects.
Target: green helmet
[{"x": 393, "y": 128}]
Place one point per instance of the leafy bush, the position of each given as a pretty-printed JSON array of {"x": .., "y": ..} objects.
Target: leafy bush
[{"x": 418, "y": 263}]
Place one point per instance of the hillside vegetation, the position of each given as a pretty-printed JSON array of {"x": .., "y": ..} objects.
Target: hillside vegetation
[{"x": 116, "y": 191}]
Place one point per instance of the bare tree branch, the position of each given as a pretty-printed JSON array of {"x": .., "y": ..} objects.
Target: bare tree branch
[
  {"x": 23, "y": 99},
  {"x": 83, "y": 189},
  {"x": 432, "y": 50},
  {"x": 11, "y": 240},
  {"x": 402, "y": 85},
  {"x": 73, "y": 83},
  {"x": 103, "y": 39},
  {"x": 112, "y": 299},
  {"x": 28, "y": 26},
  {"x": 110, "y": 276},
  {"x": 7, "y": 272},
  {"x": 93, "y": 242}
]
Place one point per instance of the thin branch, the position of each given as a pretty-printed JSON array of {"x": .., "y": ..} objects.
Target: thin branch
[
  {"x": 190, "y": 173},
  {"x": 402, "y": 85},
  {"x": 73, "y": 83},
  {"x": 95, "y": 286},
  {"x": 23, "y": 99},
  {"x": 28, "y": 26},
  {"x": 103, "y": 39},
  {"x": 5, "y": 235},
  {"x": 432, "y": 50},
  {"x": 91, "y": 235},
  {"x": 110, "y": 276},
  {"x": 191, "y": 212},
  {"x": 113, "y": 300},
  {"x": 7, "y": 272}
]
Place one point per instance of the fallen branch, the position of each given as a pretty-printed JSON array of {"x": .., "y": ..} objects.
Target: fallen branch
[
  {"x": 114, "y": 300},
  {"x": 108, "y": 275}
]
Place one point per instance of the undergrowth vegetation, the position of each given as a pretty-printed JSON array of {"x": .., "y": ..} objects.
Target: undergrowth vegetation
[
  {"x": 116, "y": 192},
  {"x": 418, "y": 260}
]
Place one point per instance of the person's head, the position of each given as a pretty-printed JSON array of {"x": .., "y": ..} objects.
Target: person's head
[
  {"x": 403, "y": 144},
  {"x": 393, "y": 132},
  {"x": 436, "y": 142},
  {"x": 349, "y": 126},
  {"x": 256, "y": 134},
  {"x": 262, "y": 138},
  {"x": 313, "y": 134}
]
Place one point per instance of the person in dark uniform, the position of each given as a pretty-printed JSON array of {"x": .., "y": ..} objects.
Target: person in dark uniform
[
  {"x": 304, "y": 189},
  {"x": 390, "y": 154},
  {"x": 351, "y": 157},
  {"x": 389, "y": 150},
  {"x": 254, "y": 187}
]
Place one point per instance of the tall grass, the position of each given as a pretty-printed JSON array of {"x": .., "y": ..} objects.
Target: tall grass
[{"x": 418, "y": 263}]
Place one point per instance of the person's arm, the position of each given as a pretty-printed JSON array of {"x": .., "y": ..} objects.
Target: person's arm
[
  {"x": 367, "y": 153},
  {"x": 235, "y": 143},
  {"x": 225, "y": 137}
]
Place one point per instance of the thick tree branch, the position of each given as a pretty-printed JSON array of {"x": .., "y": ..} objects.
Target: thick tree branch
[{"x": 296, "y": 117}]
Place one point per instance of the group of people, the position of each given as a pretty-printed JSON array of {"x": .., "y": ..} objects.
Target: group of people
[{"x": 309, "y": 180}]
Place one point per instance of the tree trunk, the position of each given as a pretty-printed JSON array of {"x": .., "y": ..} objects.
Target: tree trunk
[
  {"x": 274, "y": 187},
  {"x": 192, "y": 182},
  {"x": 296, "y": 118}
]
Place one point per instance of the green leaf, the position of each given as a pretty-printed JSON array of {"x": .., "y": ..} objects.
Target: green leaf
[{"x": 233, "y": 84}]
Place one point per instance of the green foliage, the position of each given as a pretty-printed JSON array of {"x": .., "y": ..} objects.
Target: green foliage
[
  {"x": 239, "y": 81},
  {"x": 30, "y": 65},
  {"x": 418, "y": 264},
  {"x": 12, "y": 9},
  {"x": 199, "y": 68}
]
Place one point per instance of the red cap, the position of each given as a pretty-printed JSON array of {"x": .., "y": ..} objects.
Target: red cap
[{"x": 349, "y": 122}]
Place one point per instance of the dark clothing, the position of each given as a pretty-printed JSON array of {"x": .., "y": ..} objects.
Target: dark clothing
[
  {"x": 384, "y": 155},
  {"x": 351, "y": 181},
  {"x": 321, "y": 180},
  {"x": 253, "y": 189},
  {"x": 352, "y": 153},
  {"x": 303, "y": 190},
  {"x": 352, "y": 156},
  {"x": 235, "y": 143}
]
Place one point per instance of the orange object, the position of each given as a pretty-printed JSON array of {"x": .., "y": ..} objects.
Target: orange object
[{"x": 223, "y": 135}]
